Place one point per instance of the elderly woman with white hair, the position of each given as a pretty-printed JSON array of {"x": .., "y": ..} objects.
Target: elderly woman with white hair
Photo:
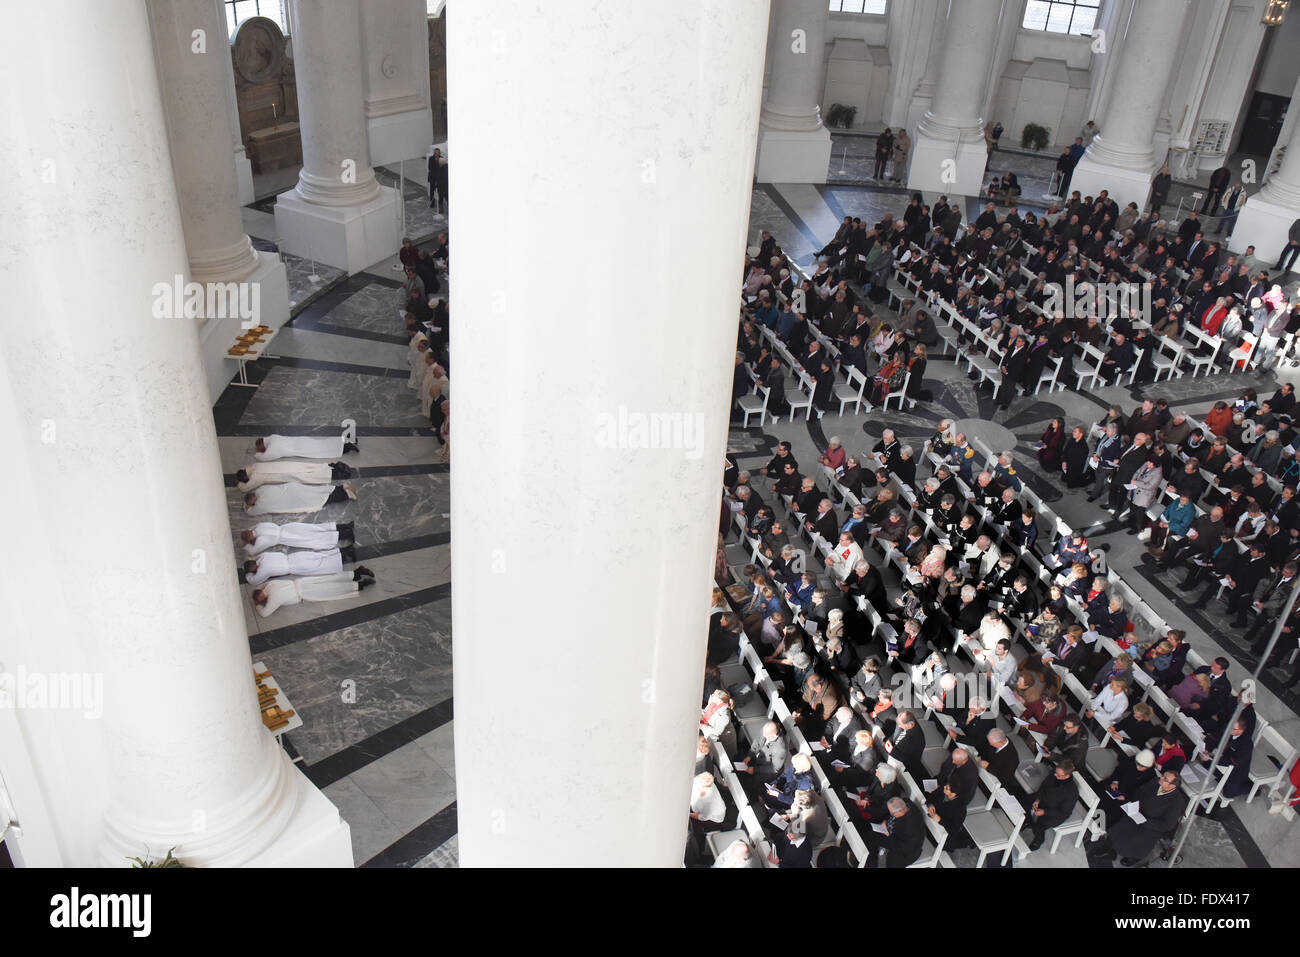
[
  {"x": 873, "y": 798},
  {"x": 834, "y": 457},
  {"x": 738, "y": 854}
]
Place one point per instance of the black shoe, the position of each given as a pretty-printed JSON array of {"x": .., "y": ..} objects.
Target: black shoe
[
  {"x": 348, "y": 553},
  {"x": 344, "y": 529},
  {"x": 350, "y": 447},
  {"x": 1036, "y": 843},
  {"x": 365, "y": 572},
  {"x": 364, "y": 583}
]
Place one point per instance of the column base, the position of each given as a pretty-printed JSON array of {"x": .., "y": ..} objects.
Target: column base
[
  {"x": 243, "y": 177},
  {"x": 1124, "y": 184},
  {"x": 315, "y": 836},
  {"x": 400, "y": 136},
  {"x": 218, "y": 335},
  {"x": 934, "y": 168},
  {"x": 1265, "y": 225},
  {"x": 790, "y": 157},
  {"x": 345, "y": 237}
]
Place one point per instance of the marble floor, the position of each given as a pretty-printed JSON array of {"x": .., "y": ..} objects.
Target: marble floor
[{"x": 797, "y": 217}]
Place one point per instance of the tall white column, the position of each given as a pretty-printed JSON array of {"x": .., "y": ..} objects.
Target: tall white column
[
  {"x": 125, "y": 572},
  {"x": 243, "y": 165},
  {"x": 1266, "y": 219},
  {"x": 194, "y": 69},
  {"x": 395, "y": 36},
  {"x": 949, "y": 152},
  {"x": 338, "y": 213},
  {"x": 1121, "y": 157},
  {"x": 593, "y": 704},
  {"x": 793, "y": 145}
]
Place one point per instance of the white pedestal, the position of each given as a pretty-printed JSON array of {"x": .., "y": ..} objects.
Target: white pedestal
[
  {"x": 243, "y": 178},
  {"x": 1264, "y": 225},
  {"x": 786, "y": 157},
  {"x": 1125, "y": 185},
  {"x": 345, "y": 237},
  {"x": 934, "y": 168},
  {"x": 399, "y": 136},
  {"x": 315, "y": 836},
  {"x": 217, "y": 335}
]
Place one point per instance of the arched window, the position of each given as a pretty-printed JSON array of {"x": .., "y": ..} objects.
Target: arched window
[
  {"x": 858, "y": 6},
  {"x": 238, "y": 11},
  {"x": 1061, "y": 16}
]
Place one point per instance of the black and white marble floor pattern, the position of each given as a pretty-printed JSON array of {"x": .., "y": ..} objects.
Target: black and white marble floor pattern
[{"x": 370, "y": 675}]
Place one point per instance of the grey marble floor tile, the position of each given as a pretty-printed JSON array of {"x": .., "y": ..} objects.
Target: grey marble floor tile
[
  {"x": 371, "y": 830},
  {"x": 295, "y": 396},
  {"x": 446, "y": 855},
  {"x": 407, "y": 785},
  {"x": 439, "y": 744},
  {"x": 306, "y": 344}
]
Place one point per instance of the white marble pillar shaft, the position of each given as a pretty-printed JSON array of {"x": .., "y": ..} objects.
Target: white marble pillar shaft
[
  {"x": 949, "y": 152},
  {"x": 192, "y": 60},
  {"x": 243, "y": 166},
  {"x": 617, "y": 402},
  {"x": 122, "y": 565},
  {"x": 793, "y": 145},
  {"x": 1266, "y": 218},
  {"x": 1147, "y": 56},
  {"x": 328, "y": 65}
]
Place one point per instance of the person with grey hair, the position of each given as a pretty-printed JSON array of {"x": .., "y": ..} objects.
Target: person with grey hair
[
  {"x": 737, "y": 854},
  {"x": 1267, "y": 452},
  {"x": 872, "y": 797},
  {"x": 905, "y": 466},
  {"x": 904, "y": 837},
  {"x": 767, "y": 756}
]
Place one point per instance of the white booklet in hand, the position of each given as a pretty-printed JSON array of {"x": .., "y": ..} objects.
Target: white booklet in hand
[
  {"x": 739, "y": 766},
  {"x": 816, "y": 746},
  {"x": 779, "y": 821},
  {"x": 1022, "y": 722},
  {"x": 880, "y": 829},
  {"x": 929, "y": 784},
  {"x": 1132, "y": 811},
  {"x": 837, "y": 763}
]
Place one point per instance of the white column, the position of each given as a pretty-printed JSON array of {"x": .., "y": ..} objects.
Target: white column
[
  {"x": 1266, "y": 219},
  {"x": 338, "y": 213},
  {"x": 1122, "y": 158},
  {"x": 243, "y": 165},
  {"x": 194, "y": 70},
  {"x": 593, "y": 700},
  {"x": 949, "y": 152},
  {"x": 125, "y": 572},
  {"x": 793, "y": 145}
]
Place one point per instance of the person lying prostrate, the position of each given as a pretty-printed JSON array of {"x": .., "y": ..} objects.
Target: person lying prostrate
[
  {"x": 290, "y": 591},
  {"x": 293, "y": 497},
  {"x": 324, "y": 535},
  {"x": 280, "y": 564},
  {"x": 274, "y": 473}
]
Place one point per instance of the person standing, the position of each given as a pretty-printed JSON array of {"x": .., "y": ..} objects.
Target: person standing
[
  {"x": 1291, "y": 249},
  {"x": 884, "y": 149},
  {"x": 438, "y": 182},
  {"x": 996, "y": 134},
  {"x": 1218, "y": 183},
  {"x": 1160, "y": 189},
  {"x": 902, "y": 146},
  {"x": 1231, "y": 208}
]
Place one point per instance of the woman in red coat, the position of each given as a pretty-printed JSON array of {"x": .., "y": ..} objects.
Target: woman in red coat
[
  {"x": 1219, "y": 418},
  {"x": 1049, "y": 446}
]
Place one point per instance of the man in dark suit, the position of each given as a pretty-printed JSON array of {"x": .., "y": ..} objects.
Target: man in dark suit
[
  {"x": 999, "y": 758},
  {"x": 825, "y": 522},
  {"x": 1013, "y": 370},
  {"x": 1053, "y": 804},
  {"x": 794, "y": 850},
  {"x": 1133, "y": 458},
  {"x": 839, "y": 737},
  {"x": 902, "y": 845},
  {"x": 960, "y": 773},
  {"x": 972, "y": 726},
  {"x": 907, "y": 744}
]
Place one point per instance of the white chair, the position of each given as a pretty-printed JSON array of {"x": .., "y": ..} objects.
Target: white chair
[
  {"x": 900, "y": 395},
  {"x": 1166, "y": 362},
  {"x": 753, "y": 404},
  {"x": 1199, "y": 361},
  {"x": 801, "y": 396},
  {"x": 1263, "y": 774},
  {"x": 1080, "y": 818},
  {"x": 846, "y": 393},
  {"x": 1243, "y": 354},
  {"x": 997, "y": 829}
]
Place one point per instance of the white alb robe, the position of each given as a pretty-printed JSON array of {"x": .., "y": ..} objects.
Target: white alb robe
[
  {"x": 415, "y": 359},
  {"x": 289, "y": 498},
  {"x": 274, "y": 473},
  {"x": 279, "y": 564},
  {"x": 293, "y": 535},
  {"x": 291, "y": 591},
  {"x": 300, "y": 447},
  {"x": 427, "y": 383}
]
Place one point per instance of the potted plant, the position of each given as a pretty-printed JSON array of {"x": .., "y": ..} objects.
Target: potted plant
[
  {"x": 167, "y": 861},
  {"x": 1035, "y": 137}
]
